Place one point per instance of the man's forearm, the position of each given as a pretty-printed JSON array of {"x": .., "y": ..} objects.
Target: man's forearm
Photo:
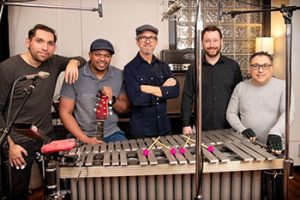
[
  {"x": 149, "y": 89},
  {"x": 72, "y": 126},
  {"x": 81, "y": 61},
  {"x": 122, "y": 104}
]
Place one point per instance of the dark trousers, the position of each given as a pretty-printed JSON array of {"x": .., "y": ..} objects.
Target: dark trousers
[
  {"x": 273, "y": 184},
  {"x": 20, "y": 178}
]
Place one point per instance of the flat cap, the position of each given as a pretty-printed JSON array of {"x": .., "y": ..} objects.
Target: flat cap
[
  {"x": 146, "y": 27},
  {"x": 101, "y": 44}
]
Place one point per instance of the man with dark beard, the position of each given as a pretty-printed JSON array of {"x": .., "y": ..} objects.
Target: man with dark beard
[
  {"x": 220, "y": 75},
  {"x": 40, "y": 56}
]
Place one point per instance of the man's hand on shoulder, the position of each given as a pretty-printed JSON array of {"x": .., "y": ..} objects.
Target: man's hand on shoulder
[{"x": 71, "y": 73}]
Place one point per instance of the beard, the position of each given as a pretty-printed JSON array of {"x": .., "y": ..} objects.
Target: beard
[
  {"x": 214, "y": 53},
  {"x": 147, "y": 51},
  {"x": 36, "y": 57}
]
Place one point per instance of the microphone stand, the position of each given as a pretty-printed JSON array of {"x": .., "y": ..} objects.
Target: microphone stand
[
  {"x": 287, "y": 13},
  {"x": 5, "y": 132},
  {"x": 198, "y": 68}
]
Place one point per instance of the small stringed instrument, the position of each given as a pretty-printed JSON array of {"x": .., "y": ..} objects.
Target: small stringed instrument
[{"x": 101, "y": 114}]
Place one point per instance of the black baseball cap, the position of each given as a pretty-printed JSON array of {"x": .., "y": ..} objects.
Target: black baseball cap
[{"x": 101, "y": 44}]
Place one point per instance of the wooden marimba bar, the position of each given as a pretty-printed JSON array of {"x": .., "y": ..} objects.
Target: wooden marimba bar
[{"x": 119, "y": 170}]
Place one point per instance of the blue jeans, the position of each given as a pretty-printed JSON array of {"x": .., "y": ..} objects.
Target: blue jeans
[{"x": 117, "y": 136}]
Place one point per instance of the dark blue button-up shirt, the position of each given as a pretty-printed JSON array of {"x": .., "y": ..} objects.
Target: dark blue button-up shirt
[{"x": 148, "y": 112}]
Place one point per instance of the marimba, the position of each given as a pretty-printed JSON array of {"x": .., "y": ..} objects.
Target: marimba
[{"x": 119, "y": 170}]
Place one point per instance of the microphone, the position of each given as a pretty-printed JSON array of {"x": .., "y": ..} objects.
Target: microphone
[
  {"x": 40, "y": 75},
  {"x": 173, "y": 8},
  {"x": 100, "y": 11},
  {"x": 220, "y": 13}
]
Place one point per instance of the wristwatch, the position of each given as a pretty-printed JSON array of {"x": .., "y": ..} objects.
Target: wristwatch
[{"x": 112, "y": 101}]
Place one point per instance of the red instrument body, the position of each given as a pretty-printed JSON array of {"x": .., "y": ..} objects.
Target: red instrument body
[
  {"x": 101, "y": 115},
  {"x": 59, "y": 145}
]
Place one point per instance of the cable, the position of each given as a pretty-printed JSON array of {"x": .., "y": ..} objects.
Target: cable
[{"x": 10, "y": 100}]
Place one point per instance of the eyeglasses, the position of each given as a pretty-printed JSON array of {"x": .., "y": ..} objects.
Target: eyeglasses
[
  {"x": 145, "y": 38},
  {"x": 264, "y": 66}
]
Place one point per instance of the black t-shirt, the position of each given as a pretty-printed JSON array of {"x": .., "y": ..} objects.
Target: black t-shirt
[{"x": 37, "y": 108}]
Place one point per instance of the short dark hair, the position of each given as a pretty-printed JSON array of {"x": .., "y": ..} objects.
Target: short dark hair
[
  {"x": 32, "y": 32},
  {"x": 261, "y": 53},
  {"x": 211, "y": 28}
]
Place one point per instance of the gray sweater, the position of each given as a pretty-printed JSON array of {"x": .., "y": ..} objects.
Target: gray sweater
[{"x": 261, "y": 108}]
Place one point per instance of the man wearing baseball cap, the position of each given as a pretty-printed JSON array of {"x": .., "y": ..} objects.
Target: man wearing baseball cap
[
  {"x": 149, "y": 83},
  {"x": 78, "y": 101}
]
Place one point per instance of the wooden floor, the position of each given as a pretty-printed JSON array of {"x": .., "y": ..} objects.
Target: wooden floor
[{"x": 294, "y": 185}]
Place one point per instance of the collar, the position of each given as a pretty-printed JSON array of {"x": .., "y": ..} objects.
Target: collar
[
  {"x": 221, "y": 60},
  {"x": 87, "y": 72},
  {"x": 140, "y": 59}
]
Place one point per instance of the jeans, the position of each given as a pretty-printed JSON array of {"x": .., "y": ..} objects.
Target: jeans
[{"x": 117, "y": 136}]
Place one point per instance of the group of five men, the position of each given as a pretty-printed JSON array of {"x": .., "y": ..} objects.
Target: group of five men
[{"x": 254, "y": 107}]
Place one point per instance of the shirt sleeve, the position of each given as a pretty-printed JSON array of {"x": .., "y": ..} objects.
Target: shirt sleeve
[
  {"x": 279, "y": 127},
  {"x": 62, "y": 61},
  {"x": 169, "y": 92},
  {"x": 188, "y": 97},
  {"x": 232, "y": 114},
  {"x": 5, "y": 87},
  {"x": 238, "y": 75},
  {"x": 68, "y": 91},
  {"x": 136, "y": 96}
]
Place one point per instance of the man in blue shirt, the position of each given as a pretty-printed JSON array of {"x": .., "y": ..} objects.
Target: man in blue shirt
[{"x": 149, "y": 83}]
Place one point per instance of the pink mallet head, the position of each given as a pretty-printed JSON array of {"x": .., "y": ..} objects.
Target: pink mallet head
[
  {"x": 210, "y": 148},
  {"x": 182, "y": 150},
  {"x": 173, "y": 151},
  {"x": 146, "y": 152}
]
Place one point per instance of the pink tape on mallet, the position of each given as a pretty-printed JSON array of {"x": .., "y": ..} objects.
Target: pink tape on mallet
[
  {"x": 147, "y": 151},
  {"x": 182, "y": 150}
]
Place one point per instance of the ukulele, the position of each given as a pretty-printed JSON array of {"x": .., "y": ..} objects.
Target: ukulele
[{"x": 101, "y": 114}]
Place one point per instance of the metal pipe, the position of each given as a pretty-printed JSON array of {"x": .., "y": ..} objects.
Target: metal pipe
[
  {"x": 288, "y": 163},
  {"x": 198, "y": 68},
  {"x": 46, "y": 6}
]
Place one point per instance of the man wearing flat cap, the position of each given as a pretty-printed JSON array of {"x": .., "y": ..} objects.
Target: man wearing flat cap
[
  {"x": 149, "y": 83},
  {"x": 78, "y": 101}
]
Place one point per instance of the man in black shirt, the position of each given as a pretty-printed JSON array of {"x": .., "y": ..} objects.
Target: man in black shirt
[
  {"x": 219, "y": 77},
  {"x": 149, "y": 83}
]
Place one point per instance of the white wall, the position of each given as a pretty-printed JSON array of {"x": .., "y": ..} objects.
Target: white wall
[{"x": 77, "y": 29}]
